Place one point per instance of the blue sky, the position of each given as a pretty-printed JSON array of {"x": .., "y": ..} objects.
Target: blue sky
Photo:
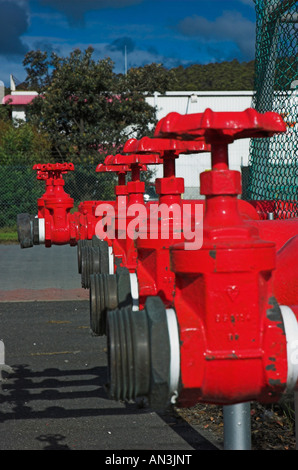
[{"x": 171, "y": 32}]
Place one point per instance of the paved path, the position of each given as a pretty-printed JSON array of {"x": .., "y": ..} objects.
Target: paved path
[
  {"x": 40, "y": 273},
  {"x": 55, "y": 398}
]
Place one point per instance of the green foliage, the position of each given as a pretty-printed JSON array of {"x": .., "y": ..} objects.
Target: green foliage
[
  {"x": 19, "y": 192},
  {"x": 5, "y": 114},
  {"x": 37, "y": 66},
  {"x": 8, "y": 235},
  {"x": 223, "y": 76},
  {"x": 86, "y": 110},
  {"x": 20, "y": 147},
  {"x": 151, "y": 78},
  {"x": 22, "y": 144}
]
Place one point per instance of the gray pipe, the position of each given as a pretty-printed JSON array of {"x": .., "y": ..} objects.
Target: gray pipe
[{"x": 237, "y": 428}]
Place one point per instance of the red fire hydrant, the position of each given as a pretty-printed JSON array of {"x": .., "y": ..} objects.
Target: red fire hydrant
[
  {"x": 95, "y": 255},
  {"x": 225, "y": 339},
  {"x": 153, "y": 276},
  {"x": 110, "y": 290},
  {"x": 149, "y": 274},
  {"x": 55, "y": 224},
  {"x": 123, "y": 245},
  {"x": 165, "y": 219},
  {"x": 33, "y": 230},
  {"x": 164, "y": 222}
]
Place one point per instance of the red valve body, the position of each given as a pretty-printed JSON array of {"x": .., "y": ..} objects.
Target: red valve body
[
  {"x": 154, "y": 239},
  {"x": 60, "y": 225},
  {"x": 223, "y": 297},
  {"x": 233, "y": 344},
  {"x": 122, "y": 244},
  {"x": 153, "y": 272}
]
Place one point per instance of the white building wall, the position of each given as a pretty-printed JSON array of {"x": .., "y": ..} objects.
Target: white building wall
[
  {"x": 19, "y": 111},
  {"x": 189, "y": 167}
]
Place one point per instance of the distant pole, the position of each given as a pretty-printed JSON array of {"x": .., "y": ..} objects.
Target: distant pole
[
  {"x": 125, "y": 60},
  {"x": 2, "y": 91}
]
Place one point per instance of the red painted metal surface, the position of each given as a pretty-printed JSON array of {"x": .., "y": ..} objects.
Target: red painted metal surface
[
  {"x": 225, "y": 126},
  {"x": 54, "y": 207},
  {"x": 153, "y": 267},
  {"x": 233, "y": 346},
  {"x": 154, "y": 275},
  {"x": 55, "y": 204},
  {"x": 52, "y": 173},
  {"x": 122, "y": 243},
  {"x": 286, "y": 273}
]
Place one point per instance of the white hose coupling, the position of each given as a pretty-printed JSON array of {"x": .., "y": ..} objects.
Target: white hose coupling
[{"x": 291, "y": 332}]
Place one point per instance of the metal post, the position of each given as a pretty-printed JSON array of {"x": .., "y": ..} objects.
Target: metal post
[
  {"x": 237, "y": 429},
  {"x": 296, "y": 417},
  {"x": 125, "y": 60},
  {"x": 3, "y": 366}
]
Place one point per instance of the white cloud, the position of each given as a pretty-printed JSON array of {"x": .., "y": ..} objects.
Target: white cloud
[
  {"x": 230, "y": 26},
  {"x": 14, "y": 22}
]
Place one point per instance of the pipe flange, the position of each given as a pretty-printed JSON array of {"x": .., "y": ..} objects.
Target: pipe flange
[
  {"x": 291, "y": 332},
  {"x": 107, "y": 292},
  {"x": 80, "y": 245},
  {"x": 143, "y": 353},
  {"x": 103, "y": 297},
  {"x": 25, "y": 230},
  {"x": 128, "y": 354},
  {"x": 123, "y": 287},
  {"x": 164, "y": 353},
  {"x": 94, "y": 260},
  {"x": 104, "y": 255}
]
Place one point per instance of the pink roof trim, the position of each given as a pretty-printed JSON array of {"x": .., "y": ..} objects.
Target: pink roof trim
[{"x": 18, "y": 100}]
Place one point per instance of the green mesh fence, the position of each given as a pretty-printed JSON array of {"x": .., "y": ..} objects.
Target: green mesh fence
[
  {"x": 273, "y": 163},
  {"x": 19, "y": 189}
]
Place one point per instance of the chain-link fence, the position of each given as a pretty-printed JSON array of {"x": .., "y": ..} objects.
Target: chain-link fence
[
  {"x": 273, "y": 163},
  {"x": 20, "y": 189}
]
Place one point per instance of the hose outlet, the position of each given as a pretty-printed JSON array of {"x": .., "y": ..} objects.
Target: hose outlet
[
  {"x": 80, "y": 245},
  {"x": 94, "y": 259},
  {"x": 25, "y": 230},
  {"x": 141, "y": 348},
  {"x": 108, "y": 292}
]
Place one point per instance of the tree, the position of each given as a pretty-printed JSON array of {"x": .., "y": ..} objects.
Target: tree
[
  {"x": 37, "y": 65},
  {"x": 151, "y": 78},
  {"x": 22, "y": 144},
  {"x": 223, "y": 76},
  {"x": 85, "y": 108},
  {"x": 20, "y": 147}
]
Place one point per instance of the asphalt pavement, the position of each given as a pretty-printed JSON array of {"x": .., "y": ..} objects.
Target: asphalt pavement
[{"x": 54, "y": 397}]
